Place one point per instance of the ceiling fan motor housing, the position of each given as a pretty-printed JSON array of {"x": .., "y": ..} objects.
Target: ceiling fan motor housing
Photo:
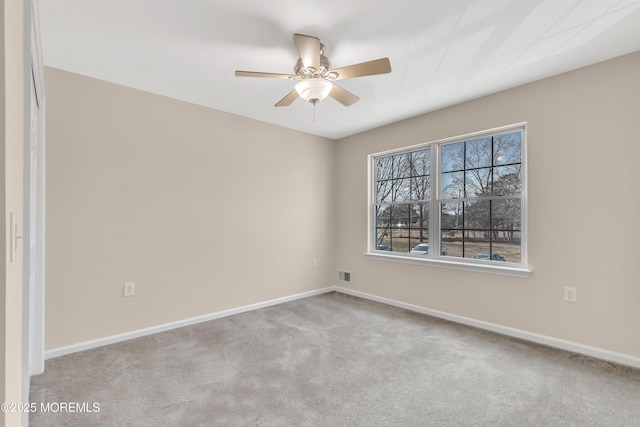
[{"x": 309, "y": 72}]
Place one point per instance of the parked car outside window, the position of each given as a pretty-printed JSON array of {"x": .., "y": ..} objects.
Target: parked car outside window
[
  {"x": 423, "y": 249},
  {"x": 493, "y": 257}
]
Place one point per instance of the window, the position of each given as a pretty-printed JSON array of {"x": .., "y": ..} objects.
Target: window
[{"x": 456, "y": 201}]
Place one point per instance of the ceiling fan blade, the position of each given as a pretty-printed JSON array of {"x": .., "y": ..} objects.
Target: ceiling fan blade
[
  {"x": 309, "y": 50},
  {"x": 287, "y": 100},
  {"x": 258, "y": 74},
  {"x": 370, "y": 68},
  {"x": 342, "y": 96}
]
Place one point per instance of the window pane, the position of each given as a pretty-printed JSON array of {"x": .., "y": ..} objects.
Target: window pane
[
  {"x": 451, "y": 215},
  {"x": 402, "y": 190},
  {"x": 443, "y": 249},
  {"x": 452, "y": 241},
  {"x": 420, "y": 216},
  {"x": 383, "y": 228},
  {"x": 478, "y": 153},
  {"x": 399, "y": 228},
  {"x": 383, "y": 240},
  {"x": 399, "y": 216},
  {"x": 383, "y": 216},
  {"x": 383, "y": 179},
  {"x": 421, "y": 162},
  {"x": 507, "y": 216},
  {"x": 383, "y": 168},
  {"x": 401, "y": 242},
  {"x": 402, "y": 165},
  {"x": 383, "y": 192},
  {"x": 509, "y": 251},
  {"x": 478, "y": 182},
  {"x": 452, "y": 157},
  {"x": 507, "y": 180},
  {"x": 477, "y": 247},
  {"x": 507, "y": 148},
  {"x": 419, "y": 224},
  {"x": 415, "y": 238},
  {"x": 421, "y": 188},
  {"x": 477, "y": 216},
  {"x": 452, "y": 185}
]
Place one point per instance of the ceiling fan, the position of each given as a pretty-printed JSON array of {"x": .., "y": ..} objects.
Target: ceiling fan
[{"x": 315, "y": 77}]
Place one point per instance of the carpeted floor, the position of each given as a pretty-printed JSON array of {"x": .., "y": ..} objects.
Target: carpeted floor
[{"x": 333, "y": 360}]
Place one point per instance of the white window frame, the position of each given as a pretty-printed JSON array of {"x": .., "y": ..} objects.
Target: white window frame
[{"x": 434, "y": 258}]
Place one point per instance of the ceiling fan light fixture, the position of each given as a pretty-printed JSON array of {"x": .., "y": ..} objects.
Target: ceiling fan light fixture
[{"x": 313, "y": 90}]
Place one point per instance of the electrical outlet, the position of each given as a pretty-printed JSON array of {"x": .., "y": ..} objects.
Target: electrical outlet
[
  {"x": 570, "y": 294},
  {"x": 129, "y": 289},
  {"x": 314, "y": 262}
]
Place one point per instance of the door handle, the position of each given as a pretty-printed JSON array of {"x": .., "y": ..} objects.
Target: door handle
[{"x": 14, "y": 237}]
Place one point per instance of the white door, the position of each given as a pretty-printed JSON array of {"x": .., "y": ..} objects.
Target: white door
[
  {"x": 34, "y": 256},
  {"x": 34, "y": 198}
]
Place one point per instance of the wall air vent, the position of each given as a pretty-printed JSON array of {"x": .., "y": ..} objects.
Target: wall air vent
[{"x": 345, "y": 276}]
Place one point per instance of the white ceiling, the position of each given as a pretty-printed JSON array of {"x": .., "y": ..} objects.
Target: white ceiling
[{"x": 441, "y": 52}]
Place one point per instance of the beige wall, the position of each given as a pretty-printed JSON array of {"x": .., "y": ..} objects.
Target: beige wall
[
  {"x": 583, "y": 151},
  {"x": 205, "y": 211},
  {"x": 11, "y": 146}
]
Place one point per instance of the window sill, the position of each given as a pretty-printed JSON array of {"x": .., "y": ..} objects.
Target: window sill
[{"x": 466, "y": 266}]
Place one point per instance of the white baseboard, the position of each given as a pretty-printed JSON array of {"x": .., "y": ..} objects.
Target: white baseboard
[
  {"x": 574, "y": 347},
  {"x": 61, "y": 351}
]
